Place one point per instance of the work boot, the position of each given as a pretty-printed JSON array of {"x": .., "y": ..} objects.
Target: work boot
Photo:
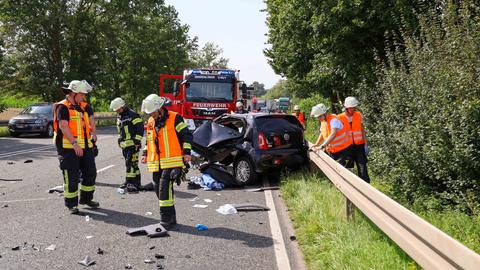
[
  {"x": 74, "y": 210},
  {"x": 148, "y": 187},
  {"x": 124, "y": 185},
  {"x": 91, "y": 203},
  {"x": 168, "y": 217}
]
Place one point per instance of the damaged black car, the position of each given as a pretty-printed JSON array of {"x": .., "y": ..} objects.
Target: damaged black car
[{"x": 254, "y": 143}]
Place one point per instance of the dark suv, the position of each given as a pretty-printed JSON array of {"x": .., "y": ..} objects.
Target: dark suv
[
  {"x": 36, "y": 118},
  {"x": 255, "y": 143}
]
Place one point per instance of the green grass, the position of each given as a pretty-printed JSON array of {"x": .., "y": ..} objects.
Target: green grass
[
  {"x": 329, "y": 241},
  {"x": 11, "y": 101},
  {"x": 4, "y": 132}
]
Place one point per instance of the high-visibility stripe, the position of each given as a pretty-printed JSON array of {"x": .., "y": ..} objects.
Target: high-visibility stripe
[
  {"x": 138, "y": 137},
  {"x": 126, "y": 143},
  {"x": 136, "y": 121},
  {"x": 165, "y": 141},
  {"x": 187, "y": 145},
  {"x": 127, "y": 133},
  {"x": 66, "y": 193},
  {"x": 180, "y": 126},
  {"x": 87, "y": 188}
]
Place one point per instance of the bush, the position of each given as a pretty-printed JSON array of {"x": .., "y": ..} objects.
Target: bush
[
  {"x": 424, "y": 113},
  {"x": 306, "y": 104}
]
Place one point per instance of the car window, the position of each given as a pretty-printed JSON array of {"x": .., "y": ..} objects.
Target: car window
[
  {"x": 233, "y": 123},
  {"x": 38, "y": 109},
  {"x": 274, "y": 122}
]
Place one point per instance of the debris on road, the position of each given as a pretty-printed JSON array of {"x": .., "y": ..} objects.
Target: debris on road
[
  {"x": 201, "y": 227},
  {"x": 28, "y": 161},
  {"x": 5, "y": 205},
  {"x": 293, "y": 238},
  {"x": 51, "y": 247},
  {"x": 227, "y": 209},
  {"x": 250, "y": 207},
  {"x": 89, "y": 236},
  {"x": 152, "y": 247},
  {"x": 261, "y": 189},
  {"x": 11, "y": 180},
  {"x": 25, "y": 247},
  {"x": 58, "y": 189},
  {"x": 148, "y": 213},
  {"x": 10, "y": 162},
  {"x": 194, "y": 199},
  {"x": 128, "y": 266},
  {"x": 154, "y": 230},
  {"x": 87, "y": 261},
  {"x": 87, "y": 218},
  {"x": 100, "y": 251},
  {"x": 148, "y": 261},
  {"x": 120, "y": 191},
  {"x": 200, "y": 205},
  {"x": 159, "y": 256},
  {"x": 207, "y": 200}
]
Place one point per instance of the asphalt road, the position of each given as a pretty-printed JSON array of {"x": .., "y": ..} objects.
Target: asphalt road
[{"x": 29, "y": 214}]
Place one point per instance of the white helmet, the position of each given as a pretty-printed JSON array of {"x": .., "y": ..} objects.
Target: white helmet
[
  {"x": 318, "y": 110},
  {"x": 152, "y": 103},
  {"x": 350, "y": 102},
  {"x": 239, "y": 103},
  {"x": 77, "y": 86},
  {"x": 296, "y": 108},
  {"x": 117, "y": 104}
]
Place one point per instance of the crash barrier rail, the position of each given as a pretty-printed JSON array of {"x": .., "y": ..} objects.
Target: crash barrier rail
[
  {"x": 427, "y": 245},
  {"x": 4, "y": 123}
]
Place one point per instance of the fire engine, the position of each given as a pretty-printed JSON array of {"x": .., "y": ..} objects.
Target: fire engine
[{"x": 200, "y": 95}]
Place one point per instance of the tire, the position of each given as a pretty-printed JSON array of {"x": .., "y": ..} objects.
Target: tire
[
  {"x": 14, "y": 134},
  {"x": 49, "y": 131},
  {"x": 244, "y": 171}
]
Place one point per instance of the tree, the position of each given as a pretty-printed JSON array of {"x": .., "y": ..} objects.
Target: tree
[
  {"x": 258, "y": 89},
  {"x": 208, "y": 57}
]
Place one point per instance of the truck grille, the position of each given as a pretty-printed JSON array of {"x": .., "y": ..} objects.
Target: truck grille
[{"x": 209, "y": 112}]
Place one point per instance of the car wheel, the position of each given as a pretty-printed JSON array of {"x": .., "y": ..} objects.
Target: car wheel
[
  {"x": 49, "y": 131},
  {"x": 244, "y": 171}
]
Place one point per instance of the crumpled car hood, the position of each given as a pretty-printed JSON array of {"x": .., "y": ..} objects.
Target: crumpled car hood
[{"x": 209, "y": 134}]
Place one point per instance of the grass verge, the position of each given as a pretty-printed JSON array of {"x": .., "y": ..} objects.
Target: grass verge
[
  {"x": 4, "y": 132},
  {"x": 329, "y": 241}
]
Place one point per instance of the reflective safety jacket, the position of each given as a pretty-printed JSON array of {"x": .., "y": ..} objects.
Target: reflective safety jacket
[
  {"x": 130, "y": 128},
  {"x": 355, "y": 127},
  {"x": 342, "y": 138},
  {"x": 78, "y": 124},
  {"x": 300, "y": 116},
  {"x": 168, "y": 140}
]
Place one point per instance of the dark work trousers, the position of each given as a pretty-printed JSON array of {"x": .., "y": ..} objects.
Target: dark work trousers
[
  {"x": 360, "y": 159},
  {"x": 164, "y": 190},
  {"x": 342, "y": 156},
  {"x": 131, "y": 163},
  {"x": 71, "y": 166}
]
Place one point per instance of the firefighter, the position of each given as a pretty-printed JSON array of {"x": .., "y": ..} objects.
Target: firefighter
[
  {"x": 353, "y": 119},
  {"x": 300, "y": 116},
  {"x": 130, "y": 130},
  {"x": 334, "y": 137},
  {"x": 75, "y": 130},
  {"x": 167, "y": 150},
  {"x": 239, "y": 108}
]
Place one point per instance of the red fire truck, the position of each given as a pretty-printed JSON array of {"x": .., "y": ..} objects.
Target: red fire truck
[{"x": 202, "y": 94}]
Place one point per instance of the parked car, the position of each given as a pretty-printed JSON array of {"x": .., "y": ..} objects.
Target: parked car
[
  {"x": 36, "y": 118},
  {"x": 255, "y": 143}
]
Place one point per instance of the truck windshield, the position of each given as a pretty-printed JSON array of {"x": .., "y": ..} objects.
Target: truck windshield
[{"x": 210, "y": 91}]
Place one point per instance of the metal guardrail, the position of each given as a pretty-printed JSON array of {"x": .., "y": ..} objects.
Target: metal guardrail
[
  {"x": 426, "y": 244},
  {"x": 4, "y": 123}
]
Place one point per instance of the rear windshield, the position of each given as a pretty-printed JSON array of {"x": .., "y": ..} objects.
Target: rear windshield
[
  {"x": 276, "y": 122},
  {"x": 39, "y": 109}
]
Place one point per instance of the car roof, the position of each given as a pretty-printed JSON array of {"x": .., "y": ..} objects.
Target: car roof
[
  {"x": 256, "y": 115},
  {"x": 41, "y": 104}
]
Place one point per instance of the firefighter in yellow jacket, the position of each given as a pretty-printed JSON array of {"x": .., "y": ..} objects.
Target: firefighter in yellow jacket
[
  {"x": 334, "y": 136},
  {"x": 75, "y": 133},
  {"x": 167, "y": 150},
  {"x": 353, "y": 120}
]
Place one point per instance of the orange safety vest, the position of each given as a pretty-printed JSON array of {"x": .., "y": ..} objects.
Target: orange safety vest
[
  {"x": 342, "y": 138},
  {"x": 76, "y": 122},
  {"x": 163, "y": 147},
  {"x": 355, "y": 127},
  {"x": 300, "y": 116}
]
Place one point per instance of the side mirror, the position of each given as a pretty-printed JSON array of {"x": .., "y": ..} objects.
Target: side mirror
[{"x": 176, "y": 88}]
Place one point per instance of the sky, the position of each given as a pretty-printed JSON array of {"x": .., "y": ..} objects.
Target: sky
[{"x": 238, "y": 27}]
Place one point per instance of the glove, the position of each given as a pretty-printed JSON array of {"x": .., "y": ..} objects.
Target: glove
[
  {"x": 367, "y": 150},
  {"x": 95, "y": 149},
  {"x": 175, "y": 175}
]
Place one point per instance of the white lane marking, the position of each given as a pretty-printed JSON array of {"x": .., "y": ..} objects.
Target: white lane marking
[
  {"x": 30, "y": 200},
  {"x": 106, "y": 168},
  {"x": 278, "y": 244},
  {"x": 26, "y": 151}
]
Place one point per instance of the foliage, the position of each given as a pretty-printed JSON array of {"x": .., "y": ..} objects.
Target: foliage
[
  {"x": 280, "y": 89},
  {"x": 258, "y": 89},
  {"x": 208, "y": 57},
  {"x": 118, "y": 46},
  {"x": 423, "y": 115},
  {"x": 313, "y": 126},
  {"x": 18, "y": 100},
  {"x": 328, "y": 47}
]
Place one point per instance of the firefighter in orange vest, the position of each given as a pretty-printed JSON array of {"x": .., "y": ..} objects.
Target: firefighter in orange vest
[
  {"x": 353, "y": 120},
  {"x": 167, "y": 150},
  {"x": 75, "y": 133},
  {"x": 300, "y": 116},
  {"x": 334, "y": 136}
]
